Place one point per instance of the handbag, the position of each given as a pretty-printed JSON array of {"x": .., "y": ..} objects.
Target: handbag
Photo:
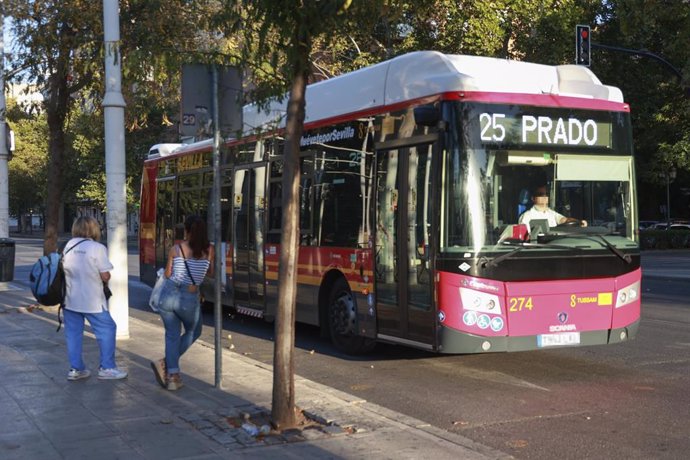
[
  {"x": 106, "y": 290},
  {"x": 157, "y": 290}
]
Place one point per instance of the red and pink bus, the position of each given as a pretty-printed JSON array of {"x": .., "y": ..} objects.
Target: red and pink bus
[{"x": 415, "y": 173}]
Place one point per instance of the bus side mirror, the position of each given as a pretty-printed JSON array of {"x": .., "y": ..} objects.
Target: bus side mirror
[{"x": 427, "y": 115}]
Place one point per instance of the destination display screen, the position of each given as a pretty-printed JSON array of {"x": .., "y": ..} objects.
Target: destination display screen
[{"x": 544, "y": 130}]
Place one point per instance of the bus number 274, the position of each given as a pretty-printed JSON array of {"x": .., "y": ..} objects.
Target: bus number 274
[{"x": 520, "y": 303}]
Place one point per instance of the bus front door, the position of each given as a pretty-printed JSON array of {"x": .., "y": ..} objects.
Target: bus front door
[
  {"x": 249, "y": 205},
  {"x": 403, "y": 231}
]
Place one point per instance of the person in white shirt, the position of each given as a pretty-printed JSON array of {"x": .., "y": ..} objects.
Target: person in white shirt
[
  {"x": 87, "y": 270},
  {"x": 540, "y": 210}
]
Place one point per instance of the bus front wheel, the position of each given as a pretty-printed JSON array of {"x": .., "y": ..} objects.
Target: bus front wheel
[{"x": 342, "y": 320}]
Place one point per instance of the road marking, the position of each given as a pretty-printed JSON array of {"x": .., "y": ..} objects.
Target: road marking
[{"x": 490, "y": 376}]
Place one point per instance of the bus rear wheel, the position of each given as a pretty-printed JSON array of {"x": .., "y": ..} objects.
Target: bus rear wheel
[{"x": 342, "y": 321}]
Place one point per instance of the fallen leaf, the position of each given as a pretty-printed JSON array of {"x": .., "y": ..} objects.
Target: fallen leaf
[{"x": 517, "y": 443}]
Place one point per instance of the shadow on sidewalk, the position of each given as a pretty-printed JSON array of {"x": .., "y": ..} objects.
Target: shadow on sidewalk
[{"x": 137, "y": 409}]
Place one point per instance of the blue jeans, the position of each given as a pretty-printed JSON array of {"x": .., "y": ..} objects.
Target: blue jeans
[
  {"x": 177, "y": 307},
  {"x": 103, "y": 327}
]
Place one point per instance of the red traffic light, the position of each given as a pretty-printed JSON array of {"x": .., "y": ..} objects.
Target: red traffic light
[{"x": 582, "y": 45}]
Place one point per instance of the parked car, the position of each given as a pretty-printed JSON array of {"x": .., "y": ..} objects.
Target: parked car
[
  {"x": 660, "y": 226},
  {"x": 647, "y": 224},
  {"x": 683, "y": 227}
]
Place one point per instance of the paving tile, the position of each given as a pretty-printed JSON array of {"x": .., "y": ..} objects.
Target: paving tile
[
  {"x": 163, "y": 440},
  {"x": 64, "y": 438},
  {"x": 26, "y": 445},
  {"x": 103, "y": 448}
]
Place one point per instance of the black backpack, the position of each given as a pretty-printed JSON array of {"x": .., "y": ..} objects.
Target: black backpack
[{"x": 48, "y": 280}]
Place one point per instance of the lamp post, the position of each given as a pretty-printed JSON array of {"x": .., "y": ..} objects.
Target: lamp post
[
  {"x": 670, "y": 177},
  {"x": 114, "y": 118}
]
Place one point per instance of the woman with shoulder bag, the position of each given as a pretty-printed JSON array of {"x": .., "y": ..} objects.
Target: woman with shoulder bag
[{"x": 179, "y": 304}]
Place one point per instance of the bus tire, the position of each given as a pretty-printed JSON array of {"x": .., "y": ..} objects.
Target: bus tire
[
  {"x": 342, "y": 321},
  {"x": 207, "y": 306}
]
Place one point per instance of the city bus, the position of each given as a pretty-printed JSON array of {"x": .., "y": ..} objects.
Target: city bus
[{"x": 414, "y": 173}]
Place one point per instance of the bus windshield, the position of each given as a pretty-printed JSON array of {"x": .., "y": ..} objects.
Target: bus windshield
[{"x": 506, "y": 161}]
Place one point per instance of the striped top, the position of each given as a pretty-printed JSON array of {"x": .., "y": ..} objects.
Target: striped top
[{"x": 197, "y": 267}]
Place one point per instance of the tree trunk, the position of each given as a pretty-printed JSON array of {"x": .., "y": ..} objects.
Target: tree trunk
[
  {"x": 56, "y": 111},
  {"x": 283, "y": 406},
  {"x": 56, "y": 148}
]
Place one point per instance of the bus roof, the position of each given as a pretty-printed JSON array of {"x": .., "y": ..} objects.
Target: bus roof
[
  {"x": 428, "y": 73},
  {"x": 415, "y": 76}
]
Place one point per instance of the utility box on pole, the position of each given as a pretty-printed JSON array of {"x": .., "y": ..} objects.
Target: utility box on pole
[{"x": 583, "y": 45}]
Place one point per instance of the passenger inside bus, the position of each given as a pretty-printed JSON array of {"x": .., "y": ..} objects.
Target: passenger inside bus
[{"x": 541, "y": 210}]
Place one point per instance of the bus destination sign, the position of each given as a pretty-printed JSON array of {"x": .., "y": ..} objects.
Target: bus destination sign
[{"x": 531, "y": 130}]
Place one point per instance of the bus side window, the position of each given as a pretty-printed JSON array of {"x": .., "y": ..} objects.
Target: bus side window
[
  {"x": 275, "y": 211},
  {"x": 305, "y": 199},
  {"x": 338, "y": 202}
]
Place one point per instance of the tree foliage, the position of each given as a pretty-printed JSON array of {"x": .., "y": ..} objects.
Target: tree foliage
[
  {"x": 28, "y": 167},
  {"x": 59, "y": 48},
  {"x": 660, "y": 101}
]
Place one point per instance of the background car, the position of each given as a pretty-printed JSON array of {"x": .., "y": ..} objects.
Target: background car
[{"x": 647, "y": 224}]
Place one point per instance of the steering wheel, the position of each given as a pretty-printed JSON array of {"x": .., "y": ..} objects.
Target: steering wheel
[{"x": 571, "y": 223}]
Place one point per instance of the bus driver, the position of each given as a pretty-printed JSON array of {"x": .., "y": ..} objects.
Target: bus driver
[{"x": 541, "y": 210}]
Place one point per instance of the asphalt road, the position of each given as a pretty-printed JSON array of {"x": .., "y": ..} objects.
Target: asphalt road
[{"x": 625, "y": 401}]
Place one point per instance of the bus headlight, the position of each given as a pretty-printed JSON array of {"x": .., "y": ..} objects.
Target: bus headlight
[
  {"x": 479, "y": 301},
  {"x": 628, "y": 294}
]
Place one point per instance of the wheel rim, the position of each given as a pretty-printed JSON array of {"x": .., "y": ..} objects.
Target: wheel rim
[{"x": 343, "y": 314}]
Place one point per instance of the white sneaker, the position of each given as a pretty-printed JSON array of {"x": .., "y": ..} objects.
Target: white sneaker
[
  {"x": 111, "y": 374},
  {"x": 75, "y": 374}
]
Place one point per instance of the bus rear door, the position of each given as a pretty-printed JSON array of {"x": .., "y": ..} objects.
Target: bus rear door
[{"x": 249, "y": 206}]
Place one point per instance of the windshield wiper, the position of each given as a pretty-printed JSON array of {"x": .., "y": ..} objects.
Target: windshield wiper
[
  {"x": 486, "y": 263},
  {"x": 599, "y": 239},
  {"x": 615, "y": 250}
]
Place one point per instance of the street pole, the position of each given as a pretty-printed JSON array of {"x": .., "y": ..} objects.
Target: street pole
[
  {"x": 4, "y": 154},
  {"x": 116, "y": 208},
  {"x": 668, "y": 200},
  {"x": 217, "y": 237}
]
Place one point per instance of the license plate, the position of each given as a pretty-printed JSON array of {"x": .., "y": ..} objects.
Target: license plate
[{"x": 558, "y": 340}]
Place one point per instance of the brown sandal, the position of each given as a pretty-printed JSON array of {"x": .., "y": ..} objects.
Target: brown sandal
[
  {"x": 159, "y": 371},
  {"x": 174, "y": 382}
]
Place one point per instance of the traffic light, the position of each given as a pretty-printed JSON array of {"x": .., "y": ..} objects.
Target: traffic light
[{"x": 583, "y": 45}]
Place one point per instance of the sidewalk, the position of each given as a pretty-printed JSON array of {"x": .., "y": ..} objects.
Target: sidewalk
[{"x": 45, "y": 416}]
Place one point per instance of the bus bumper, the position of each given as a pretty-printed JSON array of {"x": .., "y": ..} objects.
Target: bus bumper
[{"x": 453, "y": 341}]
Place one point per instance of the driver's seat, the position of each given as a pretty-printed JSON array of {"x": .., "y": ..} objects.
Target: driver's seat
[{"x": 524, "y": 202}]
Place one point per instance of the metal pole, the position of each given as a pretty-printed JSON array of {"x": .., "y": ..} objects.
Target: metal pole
[
  {"x": 668, "y": 200},
  {"x": 4, "y": 154},
  {"x": 218, "y": 307},
  {"x": 116, "y": 217}
]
